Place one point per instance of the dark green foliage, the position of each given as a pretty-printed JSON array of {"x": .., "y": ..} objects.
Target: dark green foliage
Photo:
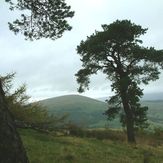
[
  {"x": 39, "y": 18},
  {"x": 117, "y": 45},
  {"x": 117, "y": 52},
  {"x": 112, "y": 112}
]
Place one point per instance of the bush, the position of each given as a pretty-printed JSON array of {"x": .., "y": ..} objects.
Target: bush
[
  {"x": 75, "y": 130},
  {"x": 106, "y": 134},
  {"x": 158, "y": 132},
  {"x": 98, "y": 134}
]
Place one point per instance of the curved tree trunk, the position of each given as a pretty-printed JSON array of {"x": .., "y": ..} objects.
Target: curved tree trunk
[{"x": 11, "y": 147}]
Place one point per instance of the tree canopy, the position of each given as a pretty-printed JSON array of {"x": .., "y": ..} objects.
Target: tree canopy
[
  {"x": 117, "y": 52},
  {"x": 41, "y": 18}
]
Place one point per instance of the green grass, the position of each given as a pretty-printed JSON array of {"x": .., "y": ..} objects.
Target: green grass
[{"x": 43, "y": 148}]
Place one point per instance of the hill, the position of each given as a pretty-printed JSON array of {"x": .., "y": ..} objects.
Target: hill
[
  {"x": 155, "y": 111},
  {"x": 73, "y": 101},
  {"x": 81, "y": 110},
  {"x": 88, "y": 112}
]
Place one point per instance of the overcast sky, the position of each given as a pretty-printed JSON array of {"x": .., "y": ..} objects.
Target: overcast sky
[{"x": 48, "y": 67}]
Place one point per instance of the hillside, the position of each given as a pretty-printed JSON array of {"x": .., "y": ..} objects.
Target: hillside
[
  {"x": 88, "y": 112},
  {"x": 155, "y": 112},
  {"x": 73, "y": 101},
  {"x": 82, "y": 110},
  {"x": 46, "y": 148}
]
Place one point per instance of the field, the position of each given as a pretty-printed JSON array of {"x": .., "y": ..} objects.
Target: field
[{"x": 46, "y": 148}]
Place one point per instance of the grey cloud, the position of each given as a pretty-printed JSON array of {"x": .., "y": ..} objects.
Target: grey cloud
[{"x": 48, "y": 67}]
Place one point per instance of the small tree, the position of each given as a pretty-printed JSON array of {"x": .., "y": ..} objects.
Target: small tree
[
  {"x": 39, "y": 19},
  {"x": 26, "y": 114},
  {"x": 117, "y": 52}
]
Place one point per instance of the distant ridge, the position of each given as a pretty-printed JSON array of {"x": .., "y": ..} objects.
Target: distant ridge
[
  {"x": 70, "y": 97},
  {"x": 77, "y": 101}
]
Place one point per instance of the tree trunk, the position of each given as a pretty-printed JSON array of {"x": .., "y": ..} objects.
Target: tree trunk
[
  {"x": 11, "y": 147},
  {"x": 130, "y": 129},
  {"x": 129, "y": 119}
]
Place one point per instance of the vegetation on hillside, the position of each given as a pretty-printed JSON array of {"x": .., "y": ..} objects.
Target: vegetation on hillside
[
  {"x": 87, "y": 112},
  {"x": 82, "y": 111},
  {"x": 67, "y": 149}
]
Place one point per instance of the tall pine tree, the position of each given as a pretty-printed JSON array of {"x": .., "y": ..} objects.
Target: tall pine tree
[{"x": 117, "y": 52}]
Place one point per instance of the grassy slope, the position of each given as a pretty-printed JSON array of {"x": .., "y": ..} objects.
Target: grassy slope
[
  {"x": 42, "y": 148},
  {"x": 89, "y": 112}
]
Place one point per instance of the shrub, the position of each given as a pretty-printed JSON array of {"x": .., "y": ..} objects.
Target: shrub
[{"x": 98, "y": 134}]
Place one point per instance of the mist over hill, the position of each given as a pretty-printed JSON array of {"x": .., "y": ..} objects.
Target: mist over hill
[
  {"x": 153, "y": 96},
  {"x": 88, "y": 112},
  {"x": 147, "y": 97}
]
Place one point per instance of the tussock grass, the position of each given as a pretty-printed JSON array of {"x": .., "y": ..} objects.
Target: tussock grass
[{"x": 43, "y": 148}]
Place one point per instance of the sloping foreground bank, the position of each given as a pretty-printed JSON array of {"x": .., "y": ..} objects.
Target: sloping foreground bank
[{"x": 46, "y": 148}]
